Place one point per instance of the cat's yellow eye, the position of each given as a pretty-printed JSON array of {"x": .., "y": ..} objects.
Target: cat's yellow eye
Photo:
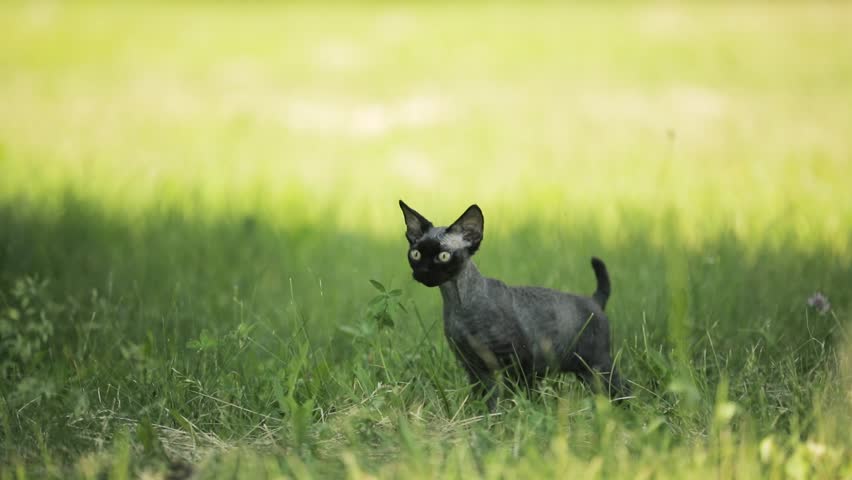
[
  {"x": 444, "y": 257},
  {"x": 414, "y": 254}
]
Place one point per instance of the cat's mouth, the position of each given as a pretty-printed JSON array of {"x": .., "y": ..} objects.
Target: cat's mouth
[{"x": 428, "y": 280}]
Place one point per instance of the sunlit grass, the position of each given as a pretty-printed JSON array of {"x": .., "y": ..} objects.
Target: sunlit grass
[
  {"x": 207, "y": 188},
  {"x": 729, "y": 116}
]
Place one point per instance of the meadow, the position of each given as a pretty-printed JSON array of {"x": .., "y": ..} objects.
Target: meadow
[{"x": 203, "y": 269}]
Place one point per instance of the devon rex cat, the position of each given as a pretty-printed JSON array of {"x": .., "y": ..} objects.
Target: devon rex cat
[{"x": 523, "y": 331}]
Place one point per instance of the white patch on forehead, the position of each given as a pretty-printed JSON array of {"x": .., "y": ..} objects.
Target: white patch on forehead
[
  {"x": 434, "y": 233},
  {"x": 453, "y": 241},
  {"x": 448, "y": 241}
]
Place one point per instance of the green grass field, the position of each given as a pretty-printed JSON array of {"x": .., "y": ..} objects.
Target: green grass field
[{"x": 194, "y": 198}]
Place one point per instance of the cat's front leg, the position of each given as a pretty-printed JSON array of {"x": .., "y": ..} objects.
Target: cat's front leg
[
  {"x": 479, "y": 362},
  {"x": 484, "y": 386},
  {"x": 606, "y": 378}
]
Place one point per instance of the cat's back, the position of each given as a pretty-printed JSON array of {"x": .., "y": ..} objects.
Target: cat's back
[
  {"x": 541, "y": 304},
  {"x": 537, "y": 308},
  {"x": 538, "y": 294}
]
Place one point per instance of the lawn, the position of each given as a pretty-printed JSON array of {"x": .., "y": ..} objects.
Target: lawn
[{"x": 195, "y": 197}]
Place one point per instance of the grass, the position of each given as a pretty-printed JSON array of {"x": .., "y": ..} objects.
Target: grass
[{"x": 194, "y": 198}]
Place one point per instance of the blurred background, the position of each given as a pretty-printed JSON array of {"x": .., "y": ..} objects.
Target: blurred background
[{"x": 735, "y": 115}]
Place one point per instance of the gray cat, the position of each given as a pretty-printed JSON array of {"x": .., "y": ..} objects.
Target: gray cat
[{"x": 521, "y": 331}]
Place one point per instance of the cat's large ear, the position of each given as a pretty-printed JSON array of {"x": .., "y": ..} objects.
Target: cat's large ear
[
  {"x": 470, "y": 225},
  {"x": 416, "y": 224}
]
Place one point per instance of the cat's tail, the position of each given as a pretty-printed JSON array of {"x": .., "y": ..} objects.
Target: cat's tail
[{"x": 602, "y": 292}]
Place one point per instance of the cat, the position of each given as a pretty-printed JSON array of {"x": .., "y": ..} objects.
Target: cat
[{"x": 523, "y": 332}]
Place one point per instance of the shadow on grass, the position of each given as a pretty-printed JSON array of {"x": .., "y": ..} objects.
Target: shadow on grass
[{"x": 172, "y": 321}]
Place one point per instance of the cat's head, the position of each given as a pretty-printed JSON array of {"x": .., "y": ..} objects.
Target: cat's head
[{"x": 438, "y": 254}]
